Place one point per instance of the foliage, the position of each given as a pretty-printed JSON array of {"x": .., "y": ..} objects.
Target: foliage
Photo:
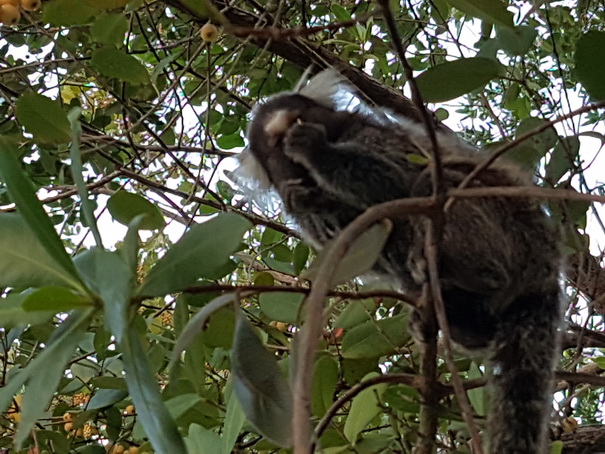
[{"x": 119, "y": 112}]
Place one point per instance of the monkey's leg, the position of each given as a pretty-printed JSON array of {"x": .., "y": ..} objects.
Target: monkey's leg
[{"x": 526, "y": 345}]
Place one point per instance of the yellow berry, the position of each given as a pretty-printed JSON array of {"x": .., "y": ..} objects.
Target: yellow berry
[
  {"x": 133, "y": 450},
  {"x": 9, "y": 15},
  {"x": 15, "y": 3},
  {"x": 30, "y": 5},
  {"x": 129, "y": 410},
  {"x": 281, "y": 326},
  {"x": 68, "y": 426},
  {"x": 67, "y": 416},
  {"x": 118, "y": 449},
  {"x": 209, "y": 33}
]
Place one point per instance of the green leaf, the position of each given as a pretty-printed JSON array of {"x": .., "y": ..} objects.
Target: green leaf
[
  {"x": 107, "y": 4},
  {"x": 516, "y": 40},
  {"x": 107, "y": 274},
  {"x": 342, "y": 14},
  {"x": 234, "y": 421},
  {"x": 376, "y": 338},
  {"x": 198, "y": 254},
  {"x": 151, "y": 410},
  {"x": 110, "y": 29},
  {"x": 529, "y": 152},
  {"x": 364, "y": 408},
  {"x": 75, "y": 155},
  {"x": 281, "y": 307},
  {"x": 360, "y": 257},
  {"x": 456, "y": 78},
  {"x": 260, "y": 387},
  {"x": 12, "y": 313},
  {"x": 300, "y": 257},
  {"x": 179, "y": 405},
  {"x": 493, "y": 11},
  {"x": 220, "y": 329},
  {"x": 356, "y": 312},
  {"x": 114, "y": 63},
  {"x": 325, "y": 380},
  {"x": 590, "y": 63},
  {"x": 125, "y": 206},
  {"x": 44, "y": 118},
  {"x": 67, "y": 12},
  {"x": 230, "y": 141},
  {"x": 46, "y": 371},
  {"x": 22, "y": 193},
  {"x": 202, "y": 441},
  {"x": 562, "y": 158},
  {"x": 56, "y": 299},
  {"x": 24, "y": 262},
  {"x": 196, "y": 324},
  {"x": 106, "y": 398}
]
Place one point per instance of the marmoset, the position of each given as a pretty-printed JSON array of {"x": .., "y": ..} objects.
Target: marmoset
[{"x": 498, "y": 257}]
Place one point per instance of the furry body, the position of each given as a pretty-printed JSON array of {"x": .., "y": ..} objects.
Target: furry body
[{"x": 499, "y": 261}]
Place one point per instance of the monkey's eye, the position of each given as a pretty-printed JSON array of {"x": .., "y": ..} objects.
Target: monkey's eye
[{"x": 278, "y": 124}]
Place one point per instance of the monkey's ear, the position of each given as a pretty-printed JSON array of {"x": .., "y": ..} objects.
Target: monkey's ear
[
  {"x": 251, "y": 173},
  {"x": 325, "y": 88}
]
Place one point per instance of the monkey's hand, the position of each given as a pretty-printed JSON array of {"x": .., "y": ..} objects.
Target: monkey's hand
[{"x": 304, "y": 142}]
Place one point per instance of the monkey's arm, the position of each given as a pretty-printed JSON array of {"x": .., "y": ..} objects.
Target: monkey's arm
[{"x": 346, "y": 170}]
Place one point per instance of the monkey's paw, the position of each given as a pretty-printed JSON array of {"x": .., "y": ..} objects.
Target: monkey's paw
[{"x": 303, "y": 140}]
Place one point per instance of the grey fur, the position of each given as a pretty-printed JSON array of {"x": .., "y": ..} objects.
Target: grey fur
[{"x": 499, "y": 259}]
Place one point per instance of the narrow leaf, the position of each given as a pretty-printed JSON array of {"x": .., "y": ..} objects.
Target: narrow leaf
[
  {"x": 55, "y": 299},
  {"x": 200, "y": 252},
  {"x": 107, "y": 274},
  {"x": 24, "y": 261},
  {"x": 106, "y": 398},
  {"x": 46, "y": 371},
  {"x": 152, "y": 412},
  {"x": 22, "y": 194},
  {"x": 76, "y": 167},
  {"x": 260, "y": 387},
  {"x": 234, "y": 421},
  {"x": 12, "y": 313}
]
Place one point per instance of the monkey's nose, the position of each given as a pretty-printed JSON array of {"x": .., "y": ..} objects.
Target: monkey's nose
[{"x": 278, "y": 124}]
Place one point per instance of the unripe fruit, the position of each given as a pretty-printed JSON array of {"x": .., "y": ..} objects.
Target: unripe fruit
[
  {"x": 30, "y": 5},
  {"x": 9, "y": 15},
  {"x": 209, "y": 33}
]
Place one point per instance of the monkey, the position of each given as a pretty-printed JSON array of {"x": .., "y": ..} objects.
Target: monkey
[{"x": 499, "y": 260}]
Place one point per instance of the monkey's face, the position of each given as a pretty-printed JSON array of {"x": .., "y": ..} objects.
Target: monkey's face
[{"x": 269, "y": 126}]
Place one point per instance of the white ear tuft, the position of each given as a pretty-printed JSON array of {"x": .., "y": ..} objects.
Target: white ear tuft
[{"x": 324, "y": 87}]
